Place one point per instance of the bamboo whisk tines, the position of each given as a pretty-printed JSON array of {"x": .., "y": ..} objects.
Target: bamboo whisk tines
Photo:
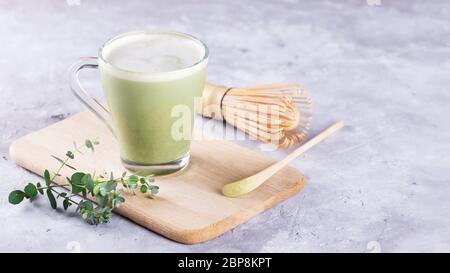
[{"x": 275, "y": 114}]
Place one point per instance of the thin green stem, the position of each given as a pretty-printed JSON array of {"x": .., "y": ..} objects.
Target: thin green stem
[
  {"x": 59, "y": 169},
  {"x": 68, "y": 198},
  {"x": 53, "y": 186}
]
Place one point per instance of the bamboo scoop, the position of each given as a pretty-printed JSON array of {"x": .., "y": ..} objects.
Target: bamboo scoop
[
  {"x": 275, "y": 114},
  {"x": 250, "y": 183}
]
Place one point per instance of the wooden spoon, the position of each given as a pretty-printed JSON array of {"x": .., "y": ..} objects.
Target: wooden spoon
[{"x": 250, "y": 183}]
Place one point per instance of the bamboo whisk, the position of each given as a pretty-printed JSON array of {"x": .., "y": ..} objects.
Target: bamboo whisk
[{"x": 275, "y": 114}]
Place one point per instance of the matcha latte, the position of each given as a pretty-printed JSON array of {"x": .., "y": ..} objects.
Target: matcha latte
[{"x": 150, "y": 81}]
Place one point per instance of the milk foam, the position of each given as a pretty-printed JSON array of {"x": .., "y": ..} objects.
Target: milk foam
[{"x": 153, "y": 53}]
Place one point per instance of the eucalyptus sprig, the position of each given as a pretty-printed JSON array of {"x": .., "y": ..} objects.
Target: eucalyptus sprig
[{"x": 102, "y": 188}]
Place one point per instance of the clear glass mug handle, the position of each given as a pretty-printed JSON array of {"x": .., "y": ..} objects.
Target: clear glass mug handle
[{"x": 91, "y": 103}]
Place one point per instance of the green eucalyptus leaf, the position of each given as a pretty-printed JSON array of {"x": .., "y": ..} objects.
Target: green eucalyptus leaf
[
  {"x": 84, "y": 206},
  {"x": 133, "y": 179},
  {"x": 47, "y": 177},
  {"x": 88, "y": 205},
  {"x": 96, "y": 190},
  {"x": 154, "y": 189},
  {"x": 39, "y": 188},
  {"x": 76, "y": 182},
  {"x": 103, "y": 191},
  {"x": 102, "y": 200},
  {"x": 85, "y": 215},
  {"x": 110, "y": 186},
  {"x": 144, "y": 188},
  {"x": 30, "y": 190},
  {"x": 88, "y": 182},
  {"x": 51, "y": 198},
  {"x": 66, "y": 203},
  {"x": 15, "y": 197},
  {"x": 89, "y": 144},
  {"x": 76, "y": 189},
  {"x": 70, "y": 155},
  {"x": 77, "y": 178}
]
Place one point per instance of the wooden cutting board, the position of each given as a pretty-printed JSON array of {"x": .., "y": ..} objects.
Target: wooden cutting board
[{"x": 190, "y": 207}]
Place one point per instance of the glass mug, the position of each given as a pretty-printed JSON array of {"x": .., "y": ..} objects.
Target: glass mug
[{"x": 151, "y": 104}]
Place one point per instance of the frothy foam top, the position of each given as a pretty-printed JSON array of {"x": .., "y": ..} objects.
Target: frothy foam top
[{"x": 153, "y": 53}]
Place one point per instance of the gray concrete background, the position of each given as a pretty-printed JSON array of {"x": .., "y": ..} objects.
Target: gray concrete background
[{"x": 381, "y": 184}]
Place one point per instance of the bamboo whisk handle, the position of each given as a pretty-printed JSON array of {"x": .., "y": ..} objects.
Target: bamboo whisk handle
[{"x": 210, "y": 104}]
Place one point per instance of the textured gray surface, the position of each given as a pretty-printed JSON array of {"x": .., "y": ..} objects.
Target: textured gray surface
[{"x": 381, "y": 184}]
